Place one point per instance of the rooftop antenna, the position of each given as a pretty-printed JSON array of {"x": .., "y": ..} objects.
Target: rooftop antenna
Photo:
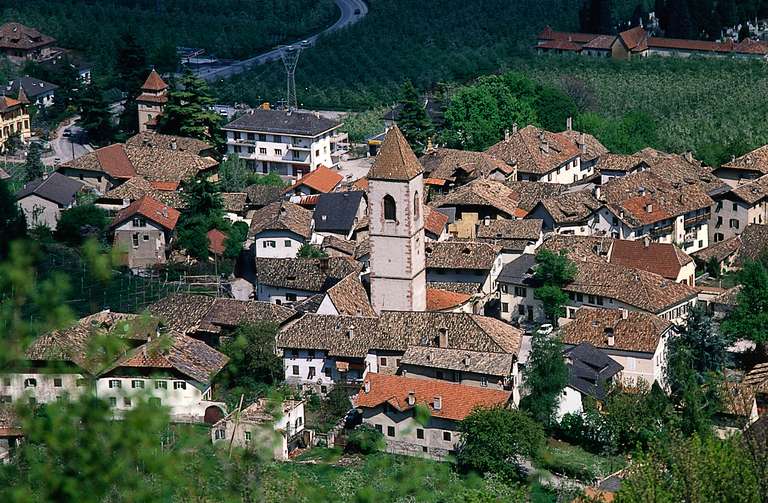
[{"x": 290, "y": 56}]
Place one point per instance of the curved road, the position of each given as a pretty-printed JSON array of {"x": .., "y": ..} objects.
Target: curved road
[{"x": 347, "y": 18}]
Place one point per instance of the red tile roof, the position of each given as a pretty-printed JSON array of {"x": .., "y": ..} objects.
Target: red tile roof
[
  {"x": 322, "y": 180},
  {"x": 549, "y": 34},
  {"x": 114, "y": 161},
  {"x": 457, "y": 400},
  {"x": 559, "y": 45},
  {"x": 154, "y": 82},
  {"x": 151, "y": 209},
  {"x": 161, "y": 185},
  {"x": 216, "y": 240},
  {"x": 434, "y": 221},
  {"x": 440, "y": 300},
  {"x": 7, "y": 103},
  {"x": 663, "y": 259},
  {"x": 634, "y": 38}
]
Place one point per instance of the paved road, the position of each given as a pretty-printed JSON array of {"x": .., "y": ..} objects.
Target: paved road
[
  {"x": 66, "y": 148},
  {"x": 348, "y": 17}
]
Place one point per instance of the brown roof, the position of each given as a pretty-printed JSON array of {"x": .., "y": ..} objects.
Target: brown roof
[
  {"x": 321, "y": 179},
  {"x": 234, "y": 202},
  {"x": 168, "y": 142},
  {"x": 664, "y": 259},
  {"x": 282, "y": 215},
  {"x": 21, "y": 37},
  {"x": 454, "y": 286},
  {"x": 549, "y": 34},
  {"x": 510, "y": 234},
  {"x": 150, "y": 209},
  {"x": 10, "y": 422},
  {"x": 309, "y": 274},
  {"x": 7, "y": 104},
  {"x": 72, "y": 344},
  {"x": 350, "y": 298},
  {"x": 154, "y": 82},
  {"x": 443, "y": 163},
  {"x": 498, "y": 364},
  {"x": 441, "y": 300},
  {"x": 619, "y": 162},
  {"x": 646, "y": 197},
  {"x": 641, "y": 289},
  {"x": 601, "y": 42},
  {"x": 580, "y": 248},
  {"x": 559, "y": 45},
  {"x": 481, "y": 192},
  {"x": 396, "y": 331},
  {"x": 571, "y": 207},
  {"x": 152, "y": 98},
  {"x": 216, "y": 240},
  {"x": 395, "y": 159},
  {"x": 682, "y": 172},
  {"x": 593, "y": 149},
  {"x": 186, "y": 355},
  {"x": 719, "y": 251},
  {"x": 635, "y": 39},
  {"x": 756, "y": 160},
  {"x": 111, "y": 160},
  {"x": 754, "y": 242},
  {"x": 341, "y": 245},
  {"x": 457, "y": 401},
  {"x": 182, "y": 312},
  {"x": 638, "y": 332},
  {"x": 434, "y": 221},
  {"x": 534, "y": 150},
  {"x": 529, "y": 194},
  {"x": 461, "y": 255},
  {"x": 753, "y": 191},
  {"x": 137, "y": 187},
  {"x": 262, "y": 195},
  {"x": 757, "y": 378}
]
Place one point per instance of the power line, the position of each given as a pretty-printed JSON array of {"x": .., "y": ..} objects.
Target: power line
[{"x": 290, "y": 56}]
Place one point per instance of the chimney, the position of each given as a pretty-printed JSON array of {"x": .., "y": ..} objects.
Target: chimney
[
  {"x": 646, "y": 241},
  {"x": 165, "y": 211},
  {"x": 429, "y": 144},
  {"x": 649, "y": 208},
  {"x": 506, "y": 135},
  {"x": 514, "y": 128},
  {"x": 317, "y": 115},
  {"x": 544, "y": 147},
  {"x": 624, "y": 314},
  {"x": 173, "y": 144},
  {"x": 324, "y": 264},
  {"x": 437, "y": 403},
  {"x": 596, "y": 192},
  {"x": 688, "y": 155},
  {"x": 467, "y": 360},
  {"x": 569, "y": 123},
  {"x": 367, "y": 387},
  {"x": 487, "y": 221},
  {"x": 442, "y": 339},
  {"x": 609, "y": 338},
  {"x": 351, "y": 332},
  {"x": 583, "y": 143},
  {"x": 411, "y": 399}
]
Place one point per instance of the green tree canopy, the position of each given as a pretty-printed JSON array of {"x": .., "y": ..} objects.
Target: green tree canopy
[
  {"x": 187, "y": 112},
  {"x": 80, "y": 223},
  {"x": 253, "y": 364},
  {"x": 233, "y": 174},
  {"x": 95, "y": 116},
  {"x": 749, "y": 319},
  {"x": 33, "y": 166},
  {"x": 498, "y": 440},
  {"x": 13, "y": 225},
  {"x": 413, "y": 120},
  {"x": 553, "y": 271},
  {"x": 308, "y": 250},
  {"x": 545, "y": 377}
]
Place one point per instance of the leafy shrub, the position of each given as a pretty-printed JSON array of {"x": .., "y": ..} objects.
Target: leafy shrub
[{"x": 365, "y": 440}]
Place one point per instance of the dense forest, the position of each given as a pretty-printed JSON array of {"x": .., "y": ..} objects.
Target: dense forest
[{"x": 225, "y": 28}]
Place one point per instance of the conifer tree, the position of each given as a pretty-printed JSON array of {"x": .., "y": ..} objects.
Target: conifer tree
[
  {"x": 131, "y": 66},
  {"x": 187, "y": 112},
  {"x": 95, "y": 116},
  {"x": 413, "y": 120},
  {"x": 34, "y": 167}
]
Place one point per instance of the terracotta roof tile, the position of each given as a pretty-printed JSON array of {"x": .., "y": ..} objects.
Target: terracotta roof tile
[
  {"x": 282, "y": 215},
  {"x": 441, "y": 300},
  {"x": 534, "y": 150},
  {"x": 114, "y": 161},
  {"x": 571, "y": 207},
  {"x": 664, "y": 259},
  {"x": 638, "y": 332},
  {"x": 154, "y": 82},
  {"x": 511, "y": 235},
  {"x": 754, "y": 242},
  {"x": 435, "y": 221},
  {"x": 481, "y": 192},
  {"x": 321, "y": 179},
  {"x": 446, "y": 163},
  {"x": 395, "y": 159},
  {"x": 719, "y": 251},
  {"x": 309, "y": 274},
  {"x": 151, "y": 209},
  {"x": 549, "y": 34},
  {"x": 461, "y": 255},
  {"x": 593, "y": 149},
  {"x": 20, "y": 37},
  {"x": 350, "y": 298},
  {"x": 457, "y": 400},
  {"x": 137, "y": 187},
  {"x": 529, "y": 194}
]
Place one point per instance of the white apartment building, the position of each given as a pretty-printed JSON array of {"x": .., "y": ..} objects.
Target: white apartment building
[{"x": 289, "y": 143}]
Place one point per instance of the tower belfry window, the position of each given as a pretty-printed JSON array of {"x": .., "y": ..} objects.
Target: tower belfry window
[{"x": 390, "y": 209}]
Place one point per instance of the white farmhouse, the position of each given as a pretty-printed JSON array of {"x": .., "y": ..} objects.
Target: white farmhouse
[{"x": 279, "y": 229}]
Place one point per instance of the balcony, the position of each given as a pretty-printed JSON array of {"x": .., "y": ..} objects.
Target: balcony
[
  {"x": 300, "y": 148},
  {"x": 698, "y": 219}
]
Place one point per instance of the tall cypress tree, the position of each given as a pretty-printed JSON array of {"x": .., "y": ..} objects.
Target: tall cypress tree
[
  {"x": 680, "y": 22},
  {"x": 132, "y": 71},
  {"x": 34, "y": 167},
  {"x": 95, "y": 116},
  {"x": 187, "y": 112},
  {"x": 413, "y": 120},
  {"x": 12, "y": 223}
]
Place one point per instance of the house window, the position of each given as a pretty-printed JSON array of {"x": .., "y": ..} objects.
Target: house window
[
  {"x": 590, "y": 299},
  {"x": 127, "y": 402},
  {"x": 57, "y": 382},
  {"x": 295, "y": 370},
  {"x": 323, "y": 389},
  {"x": 80, "y": 383},
  {"x": 238, "y": 149},
  {"x": 296, "y": 156},
  {"x": 503, "y": 288},
  {"x": 179, "y": 385},
  {"x": 135, "y": 238},
  {"x": 734, "y": 223},
  {"x": 161, "y": 385},
  {"x": 288, "y": 243},
  {"x": 599, "y": 300},
  {"x": 137, "y": 384},
  {"x": 484, "y": 381},
  {"x": 139, "y": 222},
  {"x": 219, "y": 434},
  {"x": 262, "y": 137},
  {"x": 504, "y": 307},
  {"x": 6, "y": 399},
  {"x": 416, "y": 205},
  {"x": 439, "y": 374},
  {"x": 278, "y": 151},
  {"x": 112, "y": 401},
  {"x": 420, "y": 433},
  {"x": 735, "y": 207},
  {"x": 390, "y": 431},
  {"x": 383, "y": 361},
  {"x": 263, "y": 150},
  {"x": 390, "y": 209},
  {"x": 290, "y": 297},
  {"x": 447, "y": 436},
  {"x": 311, "y": 374},
  {"x": 114, "y": 383},
  {"x": 6, "y": 381},
  {"x": 247, "y": 436},
  {"x": 379, "y": 428},
  {"x": 521, "y": 309},
  {"x": 269, "y": 244},
  {"x": 145, "y": 237},
  {"x": 252, "y": 136},
  {"x": 520, "y": 291},
  {"x": 277, "y": 138},
  {"x": 299, "y": 422},
  {"x": 236, "y": 134}
]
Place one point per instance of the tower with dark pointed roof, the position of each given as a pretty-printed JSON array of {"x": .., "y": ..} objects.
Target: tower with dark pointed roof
[
  {"x": 151, "y": 101},
  {"x": 395, "y": 196}
]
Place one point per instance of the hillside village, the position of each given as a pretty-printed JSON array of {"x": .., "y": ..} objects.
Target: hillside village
[{"x": 415, "y": 286}]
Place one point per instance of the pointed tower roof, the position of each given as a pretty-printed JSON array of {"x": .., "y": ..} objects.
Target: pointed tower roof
[
  {"x": 395, "y": 160},
  {"x": 154, "y": 82},
  {"x": 23, "y": 96}
]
